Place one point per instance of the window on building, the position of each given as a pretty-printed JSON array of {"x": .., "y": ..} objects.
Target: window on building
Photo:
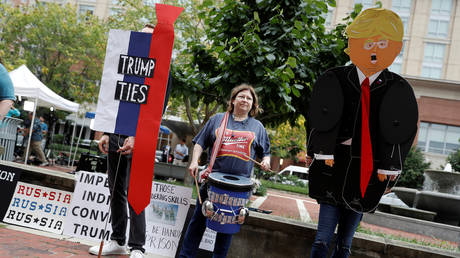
[
  {"x": 402, "y": 8},
  {"x": 438, "y": 27},
  {"x": 366, "y": 3},
  {"x": 438, "y": 138},
  {"x": 396, "y": 67},
  {"x": 433, "y": 60},
  {"x": 86, "y": 9}
]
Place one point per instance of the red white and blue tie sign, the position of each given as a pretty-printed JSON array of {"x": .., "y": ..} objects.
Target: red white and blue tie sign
[
  {"x": 132, "y": 93},
  {"x": 123, "y": 87}
]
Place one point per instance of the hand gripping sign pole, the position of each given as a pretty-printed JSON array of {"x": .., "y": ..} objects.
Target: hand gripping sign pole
[{"x": 140, "y": 184}]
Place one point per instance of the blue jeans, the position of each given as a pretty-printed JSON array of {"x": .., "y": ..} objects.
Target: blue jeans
[
  {"x": 329, "y": 216},
  {"x": 195, "y": 231}
]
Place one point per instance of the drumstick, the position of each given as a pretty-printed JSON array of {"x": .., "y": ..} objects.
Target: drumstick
[
  {"x": 258, "y": 163},
  {"x": 197, "y": 189}
]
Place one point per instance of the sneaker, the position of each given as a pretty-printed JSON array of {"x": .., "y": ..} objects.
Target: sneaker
[
  {"x": 109, "y": 248},
  {"x": 136, "y": 254},
  {"x": 44, "y": 164}
]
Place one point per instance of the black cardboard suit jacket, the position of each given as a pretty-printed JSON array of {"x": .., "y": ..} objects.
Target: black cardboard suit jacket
[{"x": 392, "y": 134}]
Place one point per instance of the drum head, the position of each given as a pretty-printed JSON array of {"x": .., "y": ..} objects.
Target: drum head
[
  {"x": 230, "y": 182},
  {"x": 398, "y": 113},
  {"x": 326, "y": 102}
]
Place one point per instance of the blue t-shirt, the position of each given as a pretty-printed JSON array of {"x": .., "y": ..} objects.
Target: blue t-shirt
[
  {"x": 6, "y": 85},
  {"x": 44, "y": 126},
  {"x": 37, "y": 134},
  {"x": 242, "y": 139}
]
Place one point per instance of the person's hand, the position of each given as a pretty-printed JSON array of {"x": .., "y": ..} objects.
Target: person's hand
[
  {"x": 308, "y": 161},
  {"x": 383, "y": 177},
  {"x": 265, "y": 164},
  {"x": 193, "y": 168},
  {"x": 329, "y": 162},
  {"x": 127, "y": 147},
  {"x": 104, "y": 144}
]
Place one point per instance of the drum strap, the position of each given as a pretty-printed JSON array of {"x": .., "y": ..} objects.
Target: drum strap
[{"x": 217, "y": 145}]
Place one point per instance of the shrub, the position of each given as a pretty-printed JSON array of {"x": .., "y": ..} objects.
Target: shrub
[
  {"x": 454, "y": 160},
  {"x": 414, "y": 166}
]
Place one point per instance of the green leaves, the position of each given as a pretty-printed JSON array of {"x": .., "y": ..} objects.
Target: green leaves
[{"x": 63, "y": 50}]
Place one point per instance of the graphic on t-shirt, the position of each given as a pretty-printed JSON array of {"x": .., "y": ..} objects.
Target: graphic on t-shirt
[{"x": 237, "y": 144}]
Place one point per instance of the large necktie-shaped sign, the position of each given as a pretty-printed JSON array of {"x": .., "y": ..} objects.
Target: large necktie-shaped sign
[
  {"x": 132, "y": 93},
  {"x": 366, "y": 145},
  {"x": 140, "y": 184}
]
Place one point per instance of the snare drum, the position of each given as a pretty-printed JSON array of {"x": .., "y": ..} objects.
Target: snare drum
[{"x": 228, "y": 196}]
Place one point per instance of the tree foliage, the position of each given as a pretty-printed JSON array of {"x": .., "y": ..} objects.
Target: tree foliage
[
  {"x": 413, "y": 169},
  {"x": 279, "y": 47},
  {"x": 288, "y": 140},
  {"x": 64, "y": 50},
  {"x": 454, "y": 160}
]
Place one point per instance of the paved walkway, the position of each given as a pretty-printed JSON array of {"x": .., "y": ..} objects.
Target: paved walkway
[
  {"x": 301, "y": 207},
  {"x": 22, "y": 242}
]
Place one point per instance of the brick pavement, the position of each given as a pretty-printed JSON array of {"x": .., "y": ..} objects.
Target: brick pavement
[{"x": 283, "y": 204}]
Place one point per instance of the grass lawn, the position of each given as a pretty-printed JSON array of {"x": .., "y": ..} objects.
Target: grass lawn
[{"x": 284, "y": 187}]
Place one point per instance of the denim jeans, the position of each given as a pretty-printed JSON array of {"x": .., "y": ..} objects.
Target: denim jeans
[
  {"x": 329, "y": 216},
  {"x": 195, "y": 231}
]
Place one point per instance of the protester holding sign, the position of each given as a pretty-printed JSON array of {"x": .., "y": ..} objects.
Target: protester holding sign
[
  {"x": 119, "y": 149},
  {"x": 244, "y": 138},
  {"x": 362, "y": 122}
]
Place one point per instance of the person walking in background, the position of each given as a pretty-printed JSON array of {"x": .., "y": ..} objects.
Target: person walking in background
[
  {"x": 180, "y": 152},
  {"x": 44, "y": 131},
  {"x": 35, "y": 140}
]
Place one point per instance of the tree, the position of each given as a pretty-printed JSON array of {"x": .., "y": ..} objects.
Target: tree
[
  {"x": 288, "y": 140},
  {"x": 64, "y": 50},
  {"x": 413, "y": 169},
  {"x": 280, "y": 47},
  {"x": 454, "y": 160}
]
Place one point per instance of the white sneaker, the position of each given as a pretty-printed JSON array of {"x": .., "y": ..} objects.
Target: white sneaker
[
  {"x": 110, "y": 247},
  {"x": 136, "y": 254}
]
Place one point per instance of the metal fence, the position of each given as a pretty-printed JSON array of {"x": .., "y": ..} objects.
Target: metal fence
[{"x": 8, "y": 129}]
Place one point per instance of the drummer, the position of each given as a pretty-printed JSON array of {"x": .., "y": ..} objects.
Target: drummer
[{"x": 244, "y": 137}]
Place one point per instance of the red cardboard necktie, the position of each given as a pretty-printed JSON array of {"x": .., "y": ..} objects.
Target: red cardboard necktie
[
  {"x": 366, "y": 145},
  {"x": 143, "y": 162}
]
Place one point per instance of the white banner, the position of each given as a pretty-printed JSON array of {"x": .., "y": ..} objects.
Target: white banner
[
  {"x": 89, "y": 210},
  {"x": 165, "y": 215},
  {"x": 38, "y": 207}
]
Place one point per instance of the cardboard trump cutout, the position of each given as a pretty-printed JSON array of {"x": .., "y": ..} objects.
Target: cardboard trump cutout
[
  {"x": 363, "y": 118},
  {"x": 132, "y": 92}
]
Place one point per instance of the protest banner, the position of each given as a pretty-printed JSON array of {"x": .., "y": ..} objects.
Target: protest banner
[
  {"x": 9, "y": 177},
  {"x": 165, "y": 215},
  {"x": 89, "y": 210},
  {"x": 38, "y": 207}
]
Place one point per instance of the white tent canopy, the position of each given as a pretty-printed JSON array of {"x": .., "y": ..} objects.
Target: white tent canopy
[{"x": 27, "y": 85}]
